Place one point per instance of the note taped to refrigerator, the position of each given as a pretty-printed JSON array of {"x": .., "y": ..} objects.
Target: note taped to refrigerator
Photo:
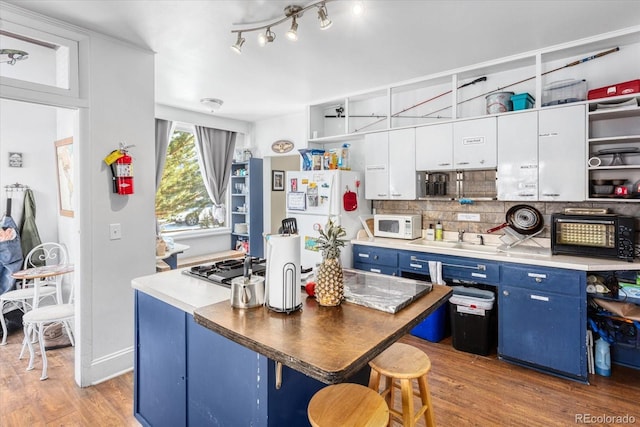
[
  {"x": 311, "y": 243},
  {"x": 297, "y": 201},
  {"x": 312, "y": 196}
]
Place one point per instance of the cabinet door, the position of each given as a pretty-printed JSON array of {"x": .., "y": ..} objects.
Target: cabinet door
[
  {"x": 160, "y": 390},
  {"x": 562, "y": 154},
  {"x": 475, "y": 144},
  {"x": 518, "y": 156},
  {"x": 376, "y": 173},
  {"x": 434, "y": 147},
  {"x": 542, "y": 329},
  {"x": 402, "y": 166}
]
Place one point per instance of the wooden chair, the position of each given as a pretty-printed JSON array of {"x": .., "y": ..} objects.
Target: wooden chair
[
  {"x": 347, "y": 404},
  {"x": 403, "y": 363},
  {"x": 22, "y": 299}
]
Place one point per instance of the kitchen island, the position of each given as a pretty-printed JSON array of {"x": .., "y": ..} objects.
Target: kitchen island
[{"x": 201, "y": 362}]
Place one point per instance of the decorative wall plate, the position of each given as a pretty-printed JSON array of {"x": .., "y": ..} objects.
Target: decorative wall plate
[{"x": 282, "y": 146}]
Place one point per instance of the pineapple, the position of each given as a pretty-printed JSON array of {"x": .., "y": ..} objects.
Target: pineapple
[{"x": 330, "y": 279}]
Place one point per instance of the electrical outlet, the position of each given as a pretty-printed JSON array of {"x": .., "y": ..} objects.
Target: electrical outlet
[
  {"x": 115, "y": 232},
  {"x": 469, "y": 217}
]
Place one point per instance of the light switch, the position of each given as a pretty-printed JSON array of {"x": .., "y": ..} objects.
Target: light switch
[{"x": 115, "y": 231}]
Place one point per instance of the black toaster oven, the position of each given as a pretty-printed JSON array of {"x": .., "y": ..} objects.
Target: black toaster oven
[{"x": 608, "y": 236}]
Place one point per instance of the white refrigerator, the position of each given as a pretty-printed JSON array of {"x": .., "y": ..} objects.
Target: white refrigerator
[{"x": 313, "y": 197}]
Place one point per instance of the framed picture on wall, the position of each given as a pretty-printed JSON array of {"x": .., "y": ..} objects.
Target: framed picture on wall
[
  {"x": 64, "y": 163},
  {"x": 277, "y": 180}
]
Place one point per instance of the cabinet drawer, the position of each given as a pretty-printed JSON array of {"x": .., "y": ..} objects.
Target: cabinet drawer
[
  {"x": 565, "y": 282},
  {"x": 377, "y": 256},
  {"x": 375, "y": 268},
  {"x": 417, "y": 262},
  {"x": 470, "y": 270}
]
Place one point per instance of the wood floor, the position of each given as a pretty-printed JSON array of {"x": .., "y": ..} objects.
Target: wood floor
[
  {"x": 58, "y": 401},
  {"x": 467, "y": 390}
]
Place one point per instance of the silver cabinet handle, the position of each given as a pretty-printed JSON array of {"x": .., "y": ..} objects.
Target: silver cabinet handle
[
  {"x": 375, "y": 270},
  {"x": 539, "y": 298},
  {"x": 444, "y": 164},
  {"x": 505, "y": 293}
]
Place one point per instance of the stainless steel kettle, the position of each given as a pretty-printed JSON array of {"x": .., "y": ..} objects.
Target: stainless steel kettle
[{"x": 247, "y": 293}]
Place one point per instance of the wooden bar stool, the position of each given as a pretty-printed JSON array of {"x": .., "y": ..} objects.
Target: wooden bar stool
[
  {"x": 347, "y": 404},
  {"x": 404, "y": 363}
]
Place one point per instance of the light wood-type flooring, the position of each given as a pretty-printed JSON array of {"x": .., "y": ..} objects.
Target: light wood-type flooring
[{"x": 467, "y": 390}]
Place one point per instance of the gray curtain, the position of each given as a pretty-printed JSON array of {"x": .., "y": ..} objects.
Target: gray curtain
[
  {"x": 216, "y": 149},
  {"x": 163, "y": 136}
]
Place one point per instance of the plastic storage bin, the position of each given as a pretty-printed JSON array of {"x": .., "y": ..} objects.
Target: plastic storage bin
[
  {"x": 434, "y": 327},
  {"x": 473, "y": 321},
  {"x": 564, "y": 92},
  {"x": 522, "y": 101}
]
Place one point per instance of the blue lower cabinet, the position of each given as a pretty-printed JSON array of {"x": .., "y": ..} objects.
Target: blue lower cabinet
[
  {"x": 542, "y": 321},
  {"x": 375, "y": 260},
  {"x": 227, "y": 383},
  {"x": 160, "y": 363},
  {"x": 188, "y": 375}
]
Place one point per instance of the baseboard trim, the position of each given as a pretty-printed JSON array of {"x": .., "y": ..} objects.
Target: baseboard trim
[{"x": 112, "y": 365}]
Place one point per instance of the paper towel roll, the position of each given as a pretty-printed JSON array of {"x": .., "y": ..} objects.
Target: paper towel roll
[{"x": 283, "y": 273}]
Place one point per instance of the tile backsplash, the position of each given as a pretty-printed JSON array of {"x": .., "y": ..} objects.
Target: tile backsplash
[{"x": 492, "y": 213}]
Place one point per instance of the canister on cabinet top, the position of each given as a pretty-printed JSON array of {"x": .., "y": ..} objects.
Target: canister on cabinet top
[{"x": 499, "y": 102}]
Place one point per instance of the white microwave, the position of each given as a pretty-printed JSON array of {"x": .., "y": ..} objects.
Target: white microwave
[{"x": 397, "y": 226}]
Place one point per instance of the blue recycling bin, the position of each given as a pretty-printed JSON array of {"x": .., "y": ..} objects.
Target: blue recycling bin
[{"x": 433, "y": 328}]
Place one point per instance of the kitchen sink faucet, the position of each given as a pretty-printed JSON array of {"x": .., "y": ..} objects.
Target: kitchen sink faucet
[{"x": 460, "y": 235}]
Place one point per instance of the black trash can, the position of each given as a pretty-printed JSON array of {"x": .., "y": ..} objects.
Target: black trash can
[{"x": 473, "y": 325}]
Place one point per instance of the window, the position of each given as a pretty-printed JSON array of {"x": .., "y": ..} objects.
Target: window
[{"x": 182, "y": 201}]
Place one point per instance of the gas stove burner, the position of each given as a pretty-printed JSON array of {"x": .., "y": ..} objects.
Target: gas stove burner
[
  {"x": 222, "y": 272},
  {"x": 229, "y": 264}
]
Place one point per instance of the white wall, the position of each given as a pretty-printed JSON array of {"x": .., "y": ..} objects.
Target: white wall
[
  {"x": 121, "y": 109},
  {"x": 30, "y": 129},
  {"x": 291, "y": 127}
]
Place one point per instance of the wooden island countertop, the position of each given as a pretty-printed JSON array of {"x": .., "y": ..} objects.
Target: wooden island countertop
[{"x": 329, "y": 344}]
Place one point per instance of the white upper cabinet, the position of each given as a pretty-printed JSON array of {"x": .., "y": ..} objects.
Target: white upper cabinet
[
  {"x": 390, "y": 172},
  {"x": 402, "y": 171},
  {"x": 434, "y": 147},
  {"x": 518, "y": 156},
  {"x": 376, "y": 173},
  {"x": 562, "y": 154},
  {"x": 475, "y": 144}
]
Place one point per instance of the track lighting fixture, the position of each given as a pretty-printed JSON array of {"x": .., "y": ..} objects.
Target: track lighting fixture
[
  {"x": 239, "y": 42},
  {"x": 293, "y": 13},
  {"x": 292, "y": 34},
  {"x": 325, "y": 22},
  {"x": 266, "y": 37}
]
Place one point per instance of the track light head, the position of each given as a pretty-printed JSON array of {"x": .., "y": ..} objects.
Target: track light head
[
  {"x": 239, "y": 42},
  {"x": 325, "y": 22},
  {"x": 292, "y": 13},
  {"x": 266, "y": 37},
  {"x": 292, "y": 34}
]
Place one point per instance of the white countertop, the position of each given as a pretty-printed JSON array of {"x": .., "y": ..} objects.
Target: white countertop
[
  {"x": 519, "y": 254},
  {"x": 178, "y": 248},
  {"x": 180, "y": 290}
]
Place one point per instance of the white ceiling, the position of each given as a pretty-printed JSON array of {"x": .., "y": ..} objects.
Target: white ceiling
[{"x": 391, "y": 42}]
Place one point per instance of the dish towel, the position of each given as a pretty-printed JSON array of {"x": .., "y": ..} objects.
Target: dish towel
[{"x": 435, "y": 271}]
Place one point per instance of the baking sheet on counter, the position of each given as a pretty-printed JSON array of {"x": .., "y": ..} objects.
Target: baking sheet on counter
[{"x": 381, "y": 292}]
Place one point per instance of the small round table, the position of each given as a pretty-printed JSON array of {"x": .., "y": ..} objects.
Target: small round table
[{"x": 39, "y": 273}]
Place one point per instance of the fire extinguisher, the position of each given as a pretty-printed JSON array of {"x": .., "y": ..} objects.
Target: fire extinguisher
[{"x": 122, "y": 169}]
